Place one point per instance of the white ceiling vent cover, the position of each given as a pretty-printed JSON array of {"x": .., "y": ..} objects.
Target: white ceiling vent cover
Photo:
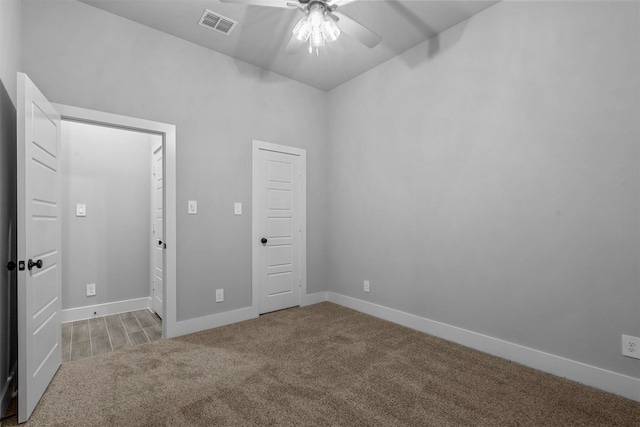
[{"x": 216, "y": 22}]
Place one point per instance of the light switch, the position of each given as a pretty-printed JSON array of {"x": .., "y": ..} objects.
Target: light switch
[
  {"x": 192, "y": 207},
  {"x": 237, "y": 208},
  {"x": 81, "y": 209}
]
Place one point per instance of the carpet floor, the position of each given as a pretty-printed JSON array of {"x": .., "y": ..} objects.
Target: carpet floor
[{"x": 322, "y": 365}]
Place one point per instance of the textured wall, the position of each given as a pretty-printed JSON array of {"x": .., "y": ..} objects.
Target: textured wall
[
  {"x": 81, "y": 56},
  {"x": 108, "y": 170},
  {"x": 489, "y": 179}
]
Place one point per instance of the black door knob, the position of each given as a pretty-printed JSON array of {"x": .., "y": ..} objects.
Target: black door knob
[
  {"x": 264, "y": 241},
  {"x": 11, "y": 266},
  {"x": 159, "y": 242},
  {"x": 32, "y": 264}
]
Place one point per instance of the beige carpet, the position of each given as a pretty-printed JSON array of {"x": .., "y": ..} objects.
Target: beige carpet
[{"x": 319, "y": 365}]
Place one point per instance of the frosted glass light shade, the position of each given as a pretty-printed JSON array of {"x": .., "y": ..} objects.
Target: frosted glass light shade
[
  {"x": 316, "y": 38},
  {"x": 302, "y": 30},
  {"x": 316, "y": 16},
  {"x": 330, "y": 30}
]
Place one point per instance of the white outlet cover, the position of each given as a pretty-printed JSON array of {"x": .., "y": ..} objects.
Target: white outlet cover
[
  {"x": 219, "y": 295},
  {"x": 237, "y": 208},
  {"x": 91, "y": 289},
  {"x": 367, "y": 287},
  {"x": 631, "y": 346}
]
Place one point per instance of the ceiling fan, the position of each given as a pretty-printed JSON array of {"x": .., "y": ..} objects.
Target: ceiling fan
[{"x": 321, "y": 22}]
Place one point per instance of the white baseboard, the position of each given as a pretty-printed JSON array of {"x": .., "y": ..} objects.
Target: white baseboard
[
  {"x": 213, "y": 321},
  {"x": 6, "y": 394},
  {"x": 87, "y": 312},
  {"x": 593, "y": 376},
  {"x": 314, "y": 298}
]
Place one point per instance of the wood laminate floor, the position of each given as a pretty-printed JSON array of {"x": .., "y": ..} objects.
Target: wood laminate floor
[{"x": 86, "y": 338}]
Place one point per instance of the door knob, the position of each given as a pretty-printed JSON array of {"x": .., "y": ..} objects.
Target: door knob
[
  {"x": 264, "y": 241},
  {"x": 11, "y": 266},
  {"x": 159, "y": 242},
  {"x": 32, "y": 264}
]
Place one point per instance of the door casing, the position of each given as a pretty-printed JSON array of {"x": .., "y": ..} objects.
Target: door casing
[
  {"x": 255, "y": 244},
  {"x": 168, "y": 134}
]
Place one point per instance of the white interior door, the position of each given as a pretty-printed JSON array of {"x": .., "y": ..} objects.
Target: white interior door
[
  {"x": 158, "y": 233},
  {"x": 39, "y": 233},
  {"x": 279, "y": 228}
]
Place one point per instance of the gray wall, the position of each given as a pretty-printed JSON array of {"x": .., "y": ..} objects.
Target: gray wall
[
  {"x": 10, "y": 44},
  {"x": 489, "y": 179},
  {"x": 109, "y": 170},
  {"x": 81, "y": 56}
]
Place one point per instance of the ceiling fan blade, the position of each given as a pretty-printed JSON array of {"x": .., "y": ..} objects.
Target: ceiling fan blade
[
  {"x": 266, "y": 3},
  {"x": 357, "y": 30}
]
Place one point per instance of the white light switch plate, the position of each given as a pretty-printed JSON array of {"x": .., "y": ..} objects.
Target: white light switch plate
[
  {"x": 237, "y": 208},
  {"x": 81, "y": 209},
  {"x": 192, "y": 207}
]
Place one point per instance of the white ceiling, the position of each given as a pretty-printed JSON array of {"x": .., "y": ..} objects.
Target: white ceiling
[{"x": 262, "y": 32}]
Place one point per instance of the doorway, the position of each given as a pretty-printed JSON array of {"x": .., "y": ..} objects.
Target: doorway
[
  {"x": 161, "y": 149},
  {"x": 106, "y": 215}
]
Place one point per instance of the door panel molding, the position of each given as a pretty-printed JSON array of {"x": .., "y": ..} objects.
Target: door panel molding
[
  {"x": 168, "y": 133},
  {"x": 256, "y": 245}
]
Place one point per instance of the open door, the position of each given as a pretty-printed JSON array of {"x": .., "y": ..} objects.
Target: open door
[
  {"x": 39, "y": 235},
  {"x": 158, "y": 231}
]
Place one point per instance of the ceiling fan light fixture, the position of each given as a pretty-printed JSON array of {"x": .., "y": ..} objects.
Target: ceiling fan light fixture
[{"x": 316, "y": 27}]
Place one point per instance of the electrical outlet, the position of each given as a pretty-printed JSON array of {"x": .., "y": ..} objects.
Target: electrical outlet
[
  {"x": 219, "y": 295},
  {"x": 631, "y": 346},
  {"x": 366, "y": 286},
  {"x": 91, "y": 289}
]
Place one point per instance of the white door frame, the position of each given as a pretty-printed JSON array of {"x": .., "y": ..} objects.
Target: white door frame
[
  {"x": 255, "y": 218},
  {"x": 168, "y": 133}
]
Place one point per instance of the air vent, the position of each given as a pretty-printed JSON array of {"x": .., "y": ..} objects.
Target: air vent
[{"x": 217, "y": 22}]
